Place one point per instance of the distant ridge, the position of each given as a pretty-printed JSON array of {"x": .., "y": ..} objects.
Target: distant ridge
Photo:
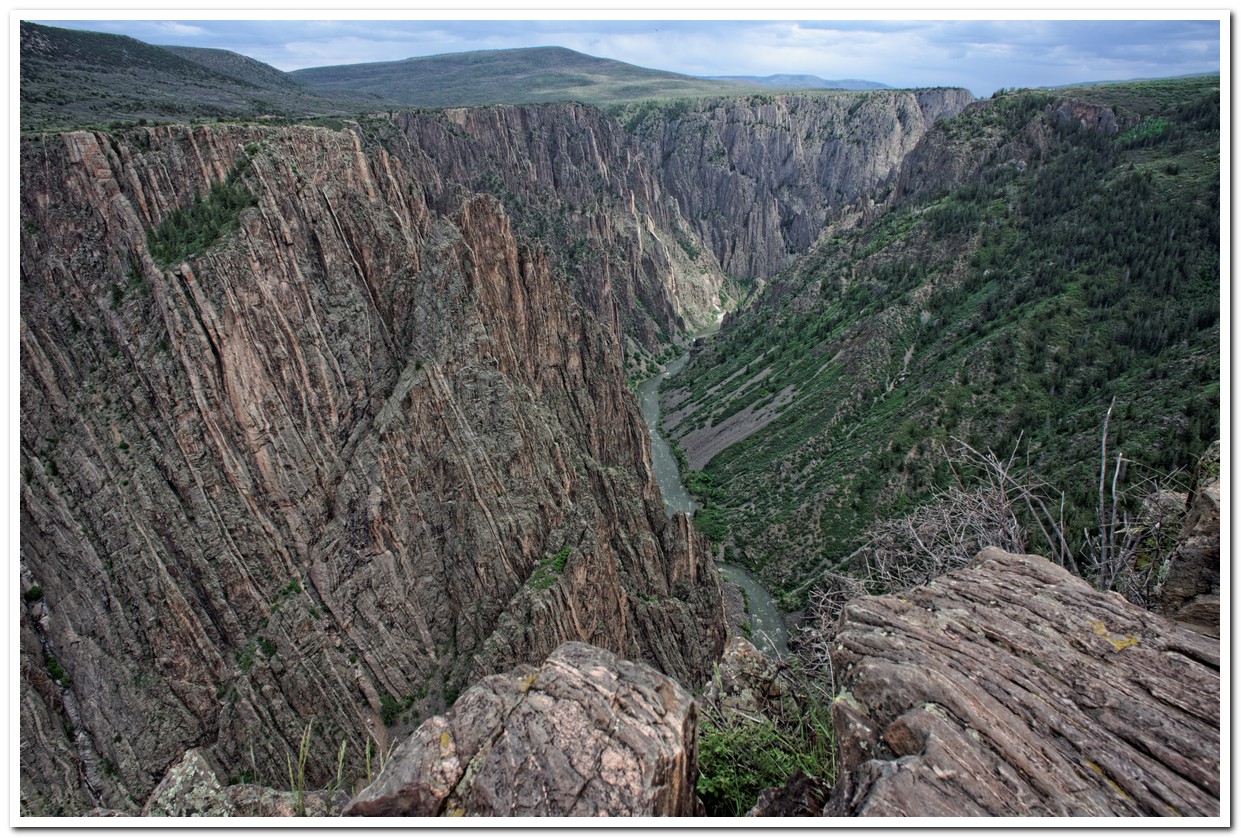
[
  {"x": 1203, "y": 75},
  {"x": 72, "y": 77},
  {"x": 788, "y": 81},
  {"x": 514, "y": 76},
  {"x": 238, "y": 66}
]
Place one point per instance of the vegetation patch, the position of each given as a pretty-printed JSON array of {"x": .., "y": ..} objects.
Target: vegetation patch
[
  {"x": 549, "y": 569},
  {"x": 188, "y": 231},
  {"x": 741, "y": 755},
  {"x": 58, "y": 672}
]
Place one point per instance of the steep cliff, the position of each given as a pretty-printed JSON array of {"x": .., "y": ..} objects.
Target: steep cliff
[
  {"x": 758, "y": 177},
  {"x": 358, "y": 453},
  {"x": 575, "y": 182}
]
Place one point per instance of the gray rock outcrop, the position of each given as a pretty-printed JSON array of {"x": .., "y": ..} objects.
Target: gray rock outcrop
[
  {"x": 1190, "y": 592},
  {"x": 195, "y": 788},
  {"x": 584, "y": 734},
  {"x": 757, "y": 177},
  {"x": 191, "y": 788},
  {"x": 1013, "y": 688}
]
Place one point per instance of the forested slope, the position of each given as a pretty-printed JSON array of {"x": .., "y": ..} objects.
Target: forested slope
[{"x": 1037, "y": 257}]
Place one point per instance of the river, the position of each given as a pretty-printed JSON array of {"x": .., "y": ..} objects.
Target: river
[{"x": 767, "y": 631}]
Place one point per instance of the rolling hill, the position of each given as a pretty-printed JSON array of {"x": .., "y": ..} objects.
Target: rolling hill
[
  {"x": 71, "y": 78},
  {"x": 513, "y": 76}
]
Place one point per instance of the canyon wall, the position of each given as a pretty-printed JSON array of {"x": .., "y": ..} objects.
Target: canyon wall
[
  {"x": 376, "y": 444},
  {"x": 572, "y": 179},
  {"x": 758, "y": 177},
  {"x": 360, "y": 453}
]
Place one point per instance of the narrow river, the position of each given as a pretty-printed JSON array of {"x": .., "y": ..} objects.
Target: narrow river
[{"x": 767, "y": 631}]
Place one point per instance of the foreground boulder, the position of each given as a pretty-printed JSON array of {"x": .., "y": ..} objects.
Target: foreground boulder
[
  {"x": 194, "y": 788},
  {"x": 584, "y": 734},
  {"x": 1013, "y": 688}
]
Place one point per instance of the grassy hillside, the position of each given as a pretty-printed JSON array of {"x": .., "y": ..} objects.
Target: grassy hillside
[
  {"x": 240, "y": 67},
  {"x": 1074, "y": 260},
  {"x": 513, "y": 76},
  {"x": 71, "y": 78}
]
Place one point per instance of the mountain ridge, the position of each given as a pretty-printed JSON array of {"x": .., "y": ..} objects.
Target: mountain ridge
[
  {"x": 1032, "y": 258},
  {"x": 72, "y": 77},
  {"x": 528, "y": 75}
]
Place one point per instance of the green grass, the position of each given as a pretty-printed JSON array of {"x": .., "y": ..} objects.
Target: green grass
[
  {"x": 549, "y": 569},
  {"x": 739, "y": 757}
]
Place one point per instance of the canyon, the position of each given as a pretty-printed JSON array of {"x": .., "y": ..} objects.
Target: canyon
[
  {"x": 373, "y": 446},
  {"x": 337, "y": 423}
]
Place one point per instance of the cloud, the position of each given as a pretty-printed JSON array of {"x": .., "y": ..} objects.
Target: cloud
[
  {"x": 173, "y": 27},
  {"x": 977, "y": 54}
]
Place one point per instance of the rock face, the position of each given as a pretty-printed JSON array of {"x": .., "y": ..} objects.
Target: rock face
[
  {"x": 572, "y": 178},
  {"x": 191, "y": 788},
  {"x": 758, "y": 177},
  {"x": 358, "y": 454},
  {"x": 1013, "y": 688},
  {"x": 585, "y": 734},
  {"x": 1190, "y": 593},
  {"x": 748, "y": 683}
]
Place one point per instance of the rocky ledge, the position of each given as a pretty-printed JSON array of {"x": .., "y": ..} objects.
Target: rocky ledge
[
  {"x": 584, "y": 734},
  {"x": 1013, "y": 688}
]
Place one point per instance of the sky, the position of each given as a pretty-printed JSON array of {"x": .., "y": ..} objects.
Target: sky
[{"x": 980, "y": 55}]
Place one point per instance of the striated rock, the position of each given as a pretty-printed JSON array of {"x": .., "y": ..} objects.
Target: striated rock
[
  {"x": 757, "y": 177},
  {"x": 1190, "y": 592},
  {"x": 585, "y": 734},
  {"x": 1013, "y": 688},
  {"x": 571, "y": 178},
  {"x": 315, "y": 471}
]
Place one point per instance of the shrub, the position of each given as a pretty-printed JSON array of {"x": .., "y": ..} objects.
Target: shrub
[
  {"x": 739, "y": 756},
  {"x": 549, "y": 569},
  {"x": 58, "y": 673},
  {"x": 389, "y": 709}
]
